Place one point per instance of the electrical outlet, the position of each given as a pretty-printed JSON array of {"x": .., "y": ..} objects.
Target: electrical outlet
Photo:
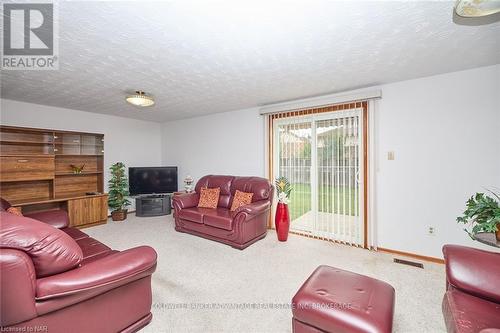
[{"x": 431, "y": 231}]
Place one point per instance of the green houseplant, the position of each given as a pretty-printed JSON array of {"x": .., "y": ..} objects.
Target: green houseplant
[
  {"x": 118, "y": 192},
  {"x": 482, "y": 214}
]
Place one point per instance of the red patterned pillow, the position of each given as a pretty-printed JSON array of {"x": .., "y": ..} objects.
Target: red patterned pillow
[
  {"x": 209, "y": 197},
  {"x": 241, "y": 199},
  {"x": 15, "y": 211}
]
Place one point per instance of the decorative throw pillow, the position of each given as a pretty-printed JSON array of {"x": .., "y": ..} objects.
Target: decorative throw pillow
[
  {"x": 209, "y": 197},
  {"x": 241, "y": 199},
  {"x": 15, "y": 211}
]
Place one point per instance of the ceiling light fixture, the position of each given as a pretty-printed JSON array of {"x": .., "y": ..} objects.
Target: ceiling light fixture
[
  {"x": 140, "y": 99},
  {"x": 477, "y": 8}
]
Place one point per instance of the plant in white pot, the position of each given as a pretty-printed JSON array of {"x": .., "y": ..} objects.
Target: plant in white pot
[{"x": 118, "y": 192}]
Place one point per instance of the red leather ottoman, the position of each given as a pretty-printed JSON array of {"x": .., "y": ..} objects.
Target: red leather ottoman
[{"x": 334, "y": 300}]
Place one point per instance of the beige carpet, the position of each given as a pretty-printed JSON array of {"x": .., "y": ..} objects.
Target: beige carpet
[{"x": 193, "y": 273}]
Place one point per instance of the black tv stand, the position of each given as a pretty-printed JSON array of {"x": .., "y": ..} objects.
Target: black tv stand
[
  {"x": 156, "y": 195},
  {"x": 152, "y": 205}
]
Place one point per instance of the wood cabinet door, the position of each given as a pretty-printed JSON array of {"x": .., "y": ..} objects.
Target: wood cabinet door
[
  {"x": 87, "y": 210},
  {"x": 97, "y": 209},
  {"x": 77, "y": 212},
  {"x": 22, "y": 168}
]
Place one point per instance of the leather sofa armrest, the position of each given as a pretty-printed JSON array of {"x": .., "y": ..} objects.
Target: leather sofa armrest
[
  {"x": 255, "y": 208},
  {"x": 474, "y": 271},
  {"x": 187, "y": 200},
  {"x": 17, "y": 281},
  {"x": 104, "y": 274}
]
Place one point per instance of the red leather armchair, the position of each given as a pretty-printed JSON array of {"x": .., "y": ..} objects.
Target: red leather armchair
[
  {"x": 471, "y": 303},
  {"x": 240, "y": 228},
  {"x": 62, "y": 280}
]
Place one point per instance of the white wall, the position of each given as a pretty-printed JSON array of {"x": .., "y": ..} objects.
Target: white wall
[
  {"x": 444, "y": 131},
  {"x": 224, "y": 143},
  {"x": 133, "y": 142}
]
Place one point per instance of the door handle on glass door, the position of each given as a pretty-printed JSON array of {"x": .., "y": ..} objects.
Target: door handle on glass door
[{"x": 358, "y": 181}]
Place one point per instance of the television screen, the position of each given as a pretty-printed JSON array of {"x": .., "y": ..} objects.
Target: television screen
[{"x": 148, "y": 180}]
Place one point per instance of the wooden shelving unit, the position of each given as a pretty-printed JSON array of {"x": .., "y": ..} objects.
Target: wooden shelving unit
[{"x": 36, "y": 173}]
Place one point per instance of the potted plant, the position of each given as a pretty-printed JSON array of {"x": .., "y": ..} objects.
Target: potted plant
[
  {"x": 118, "y": 192},
  {"x": 282, "y": 218},
  {"x": 482, "y": 213}
]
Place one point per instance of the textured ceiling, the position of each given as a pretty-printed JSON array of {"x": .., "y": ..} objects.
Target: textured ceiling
[{"x": 198, "y": 58}]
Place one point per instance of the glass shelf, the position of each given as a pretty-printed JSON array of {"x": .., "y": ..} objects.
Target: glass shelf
[
  {"x": 78, "y": 144},
  {"x": 16, "y": 141}
]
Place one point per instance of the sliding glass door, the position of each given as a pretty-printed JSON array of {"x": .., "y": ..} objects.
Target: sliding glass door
[
  {"x": 294, "y": 161},
  {"x": 321, "y": 155}
]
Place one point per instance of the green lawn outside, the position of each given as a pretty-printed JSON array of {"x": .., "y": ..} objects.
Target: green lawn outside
[{"x": 331, "y": 200}]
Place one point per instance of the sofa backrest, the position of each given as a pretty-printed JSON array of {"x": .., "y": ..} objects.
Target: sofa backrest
[
  {"x": 51, "y": 250},
  {"x": 4, "y": 205},
  {"x": 213, "y": 181},
  {"x": 261, "y": 188}
]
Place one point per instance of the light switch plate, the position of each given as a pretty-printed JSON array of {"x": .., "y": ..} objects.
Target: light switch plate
[{"x": 390, "y": 155}]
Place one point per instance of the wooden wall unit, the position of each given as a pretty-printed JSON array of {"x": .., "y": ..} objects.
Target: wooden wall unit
[{"x": 36, "y": 173}]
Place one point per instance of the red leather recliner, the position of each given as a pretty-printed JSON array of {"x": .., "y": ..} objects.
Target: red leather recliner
[
  {"x": 240, "y": 228},
  {"x": 471, "y": 303},
  {"x": 62, "y": 280}
]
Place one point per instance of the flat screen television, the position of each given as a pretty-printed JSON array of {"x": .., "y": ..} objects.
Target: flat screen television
[{"x": 149, "y": 180}]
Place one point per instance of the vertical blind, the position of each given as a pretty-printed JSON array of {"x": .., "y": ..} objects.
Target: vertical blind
[{"x": 323, "y": 154}]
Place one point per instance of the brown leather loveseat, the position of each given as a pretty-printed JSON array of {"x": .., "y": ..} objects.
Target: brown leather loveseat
[
  {"x": 58, "y": 279},
  {"x": 239, "y": 228}
]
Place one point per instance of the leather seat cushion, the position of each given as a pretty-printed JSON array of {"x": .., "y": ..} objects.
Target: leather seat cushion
[
  {"x": 91, "y": 247},
  {"x": 57, "y": 218},
  {"x": 194, "y": 214},
  {"x": 465, "y": 313},
  {"x": 220, "y": 218},
  {"x": 75, "y": 233},
  {"x": 51, "y": 250},
  {"x": 334, "y": 300}
]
